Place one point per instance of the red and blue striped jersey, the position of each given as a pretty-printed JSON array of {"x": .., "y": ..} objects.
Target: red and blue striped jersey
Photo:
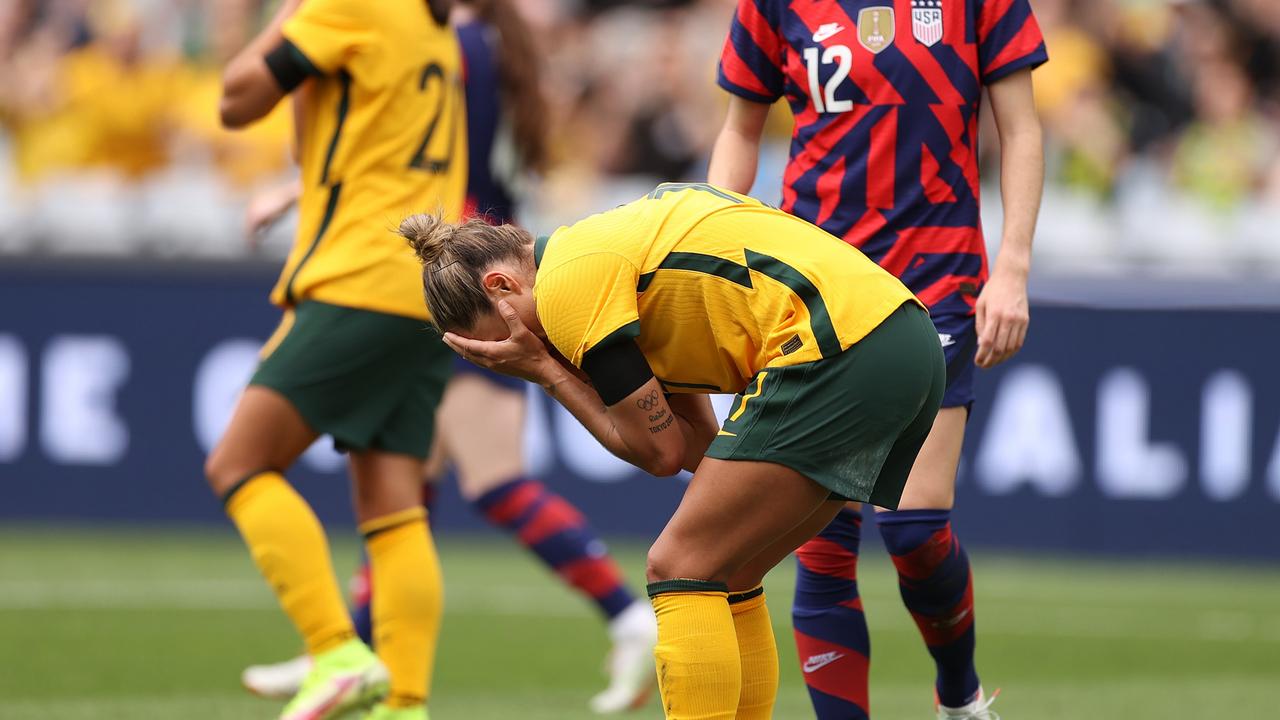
[{"x": 885, "y": 95}]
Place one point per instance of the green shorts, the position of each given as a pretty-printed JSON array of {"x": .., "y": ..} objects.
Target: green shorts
[
  {"x": 853, "y": 423},
  {"x": 371, "y": 380}
]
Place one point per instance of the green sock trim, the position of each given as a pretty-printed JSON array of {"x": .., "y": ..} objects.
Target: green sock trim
[
  {"x": 755, "y": 592},
  {"x": 226, "y": 497},
  {"x": 685, "y": 585}
]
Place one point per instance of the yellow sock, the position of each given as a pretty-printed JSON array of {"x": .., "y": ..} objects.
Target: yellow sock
[
  {"x": 408, "y": 597},
  {"x": 699, "y": 675},
  {"x": 289, "y": 546},
  {"x": 758, "y": 653}
]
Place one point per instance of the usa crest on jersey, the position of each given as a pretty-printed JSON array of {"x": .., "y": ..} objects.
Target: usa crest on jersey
[{"x": 926, "y": 21}]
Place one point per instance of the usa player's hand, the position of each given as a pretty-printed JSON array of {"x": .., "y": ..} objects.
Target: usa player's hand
[
  {"x": 266, "y": 208},
  {"x": 1002, "y": 318},
  {"x": 521, "y": 355}
]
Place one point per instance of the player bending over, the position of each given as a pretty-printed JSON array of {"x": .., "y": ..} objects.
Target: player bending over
[{"x": 630, "y": 317}]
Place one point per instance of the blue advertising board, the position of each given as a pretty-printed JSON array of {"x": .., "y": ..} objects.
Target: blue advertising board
[{"x": 1130, "y": 431}]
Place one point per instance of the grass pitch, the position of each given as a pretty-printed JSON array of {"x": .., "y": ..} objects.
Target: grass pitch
[{"x": 108, "y": 624}]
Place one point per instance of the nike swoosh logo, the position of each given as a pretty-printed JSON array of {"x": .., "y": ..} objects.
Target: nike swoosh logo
[
  {"x": 946, "y": 339},
  {"x": 952, "y": 621},
  {"x": 826, "y": 30},
  {"x": 817, "y": 662}
]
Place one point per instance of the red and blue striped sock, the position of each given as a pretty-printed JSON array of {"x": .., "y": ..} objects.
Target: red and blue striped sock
[
  {"x": 559, "y": 535},
  {"x": 830, "y": 628},
  {"x": 937, "y": 587}
]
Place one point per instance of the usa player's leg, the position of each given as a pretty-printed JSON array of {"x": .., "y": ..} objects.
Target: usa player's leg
[
  {"x": 934, "y": 574},
  {"x": 482, "y": 430},
  {"x": 830, "y": 629}
]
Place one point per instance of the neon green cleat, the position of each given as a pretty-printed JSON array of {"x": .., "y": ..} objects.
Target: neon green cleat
[
  {"x": 346, "y": 678},
  {"x": 386, "y": 712}
]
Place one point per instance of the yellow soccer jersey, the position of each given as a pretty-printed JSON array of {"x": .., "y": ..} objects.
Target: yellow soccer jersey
[
  {"x": 714, "y": 286},
  {"x": 383, "y": 135}
]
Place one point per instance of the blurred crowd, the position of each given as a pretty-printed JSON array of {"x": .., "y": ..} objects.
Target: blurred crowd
[{"x": 1162, "y": 122}]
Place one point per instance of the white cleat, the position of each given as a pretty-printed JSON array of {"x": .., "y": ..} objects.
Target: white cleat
[
  {"x": 979, "y": 709},
  {"x": 630, "y": 664},
  {"x": 278, "y": 681}
]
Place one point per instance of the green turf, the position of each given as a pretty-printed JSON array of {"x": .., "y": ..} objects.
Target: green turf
[{"x": 99, "y": 624}]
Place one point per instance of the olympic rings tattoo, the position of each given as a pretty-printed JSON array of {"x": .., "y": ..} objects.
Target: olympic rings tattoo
[{"x": 648, "y": 402}]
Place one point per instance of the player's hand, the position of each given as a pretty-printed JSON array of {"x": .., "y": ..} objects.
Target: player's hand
[
  {"x": 521, "y": 355},
  {"x": 265, "y": 209},
  {"x": 1002, "y": 318}
]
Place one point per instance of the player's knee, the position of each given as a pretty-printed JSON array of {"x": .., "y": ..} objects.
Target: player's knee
[
  {"x": 223, "y": 471},
  {"x": 666, "y": 562}
]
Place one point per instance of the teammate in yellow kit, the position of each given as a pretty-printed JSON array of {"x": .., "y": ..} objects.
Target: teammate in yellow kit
[
  {"x": 381, "y": 129},
  {"x": 631, "y": 316}
]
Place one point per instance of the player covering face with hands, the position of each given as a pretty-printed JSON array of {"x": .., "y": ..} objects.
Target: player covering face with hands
[{"x": 630, "y": 317}]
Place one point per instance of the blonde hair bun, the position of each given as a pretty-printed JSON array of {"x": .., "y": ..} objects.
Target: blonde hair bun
[{"x": 429, "y": 235}]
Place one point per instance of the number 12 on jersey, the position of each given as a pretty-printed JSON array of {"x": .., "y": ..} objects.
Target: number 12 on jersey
[{"x": 824, "y": 99}]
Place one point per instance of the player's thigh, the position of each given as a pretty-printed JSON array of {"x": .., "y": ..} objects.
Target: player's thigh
[
  {"x": 384, "y": 483},
  {"x": 482, "y": 428},
  {"x": 731, "y": 512},
  {"x": 931, "y": 484},
  {"x": 266, "y": 432},
  {"x": 753, "y": 572}
]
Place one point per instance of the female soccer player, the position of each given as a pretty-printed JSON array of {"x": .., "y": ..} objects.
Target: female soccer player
[
  {"x": 380, "y": 130},
  {"x": 693, "y": 290},
  {"x": 483, "y": 412},
  {"x": 884, "y": 154}
]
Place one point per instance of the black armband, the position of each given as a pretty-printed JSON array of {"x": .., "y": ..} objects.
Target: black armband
[
  {"x": 289, "y": 66},
  {"x": 616, "y": 369}
]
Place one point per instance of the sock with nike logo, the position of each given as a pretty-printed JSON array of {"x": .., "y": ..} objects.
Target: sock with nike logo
[
  {"x": 830, "y": 628},
  {"x": 699, "y": 672},
  {"x": 937, "y": 587},
  {"x": 758, "y": 653}
]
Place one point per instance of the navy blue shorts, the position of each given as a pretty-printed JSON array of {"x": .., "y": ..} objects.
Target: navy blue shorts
[
  {"x": 464, "y": 367},
  {"x": 959, "y": 337}
]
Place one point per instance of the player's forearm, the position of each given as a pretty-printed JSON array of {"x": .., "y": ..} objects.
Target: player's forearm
[
  {"x": 698, "y": 424},
  {"x": 734, "y": 160},
  {"x": 1021, "y": 185},
  {"x": 584, "y": 403}
]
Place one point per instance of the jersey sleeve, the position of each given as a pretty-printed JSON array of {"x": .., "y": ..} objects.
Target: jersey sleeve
[
  {"x": 1009, "y": 39},
  {"x": 328, "y": 33},
  {"x": 587, "y": 302},
  {"x": 751, "y": 62}
]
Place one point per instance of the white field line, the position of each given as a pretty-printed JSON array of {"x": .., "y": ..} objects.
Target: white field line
[{"x": 1057, "y": 618}]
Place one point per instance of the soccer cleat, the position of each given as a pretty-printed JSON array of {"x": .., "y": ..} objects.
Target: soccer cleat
[
  {"x": 277, "y": 681},
  {"x": 979, "y": 709},
  {"x": 347, "y": 678},
  {"x": 630, "y": 664},
  {"x": 382, "y": 711}
]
